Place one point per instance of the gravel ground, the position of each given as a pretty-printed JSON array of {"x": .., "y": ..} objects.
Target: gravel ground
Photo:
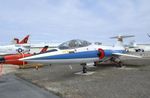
[{"x": 107, "y": 81}]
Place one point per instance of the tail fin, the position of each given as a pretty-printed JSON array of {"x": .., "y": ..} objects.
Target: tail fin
[
  {"x": 120, "y": 39},
  {"x": 25, "y": 40},
  {"x": 44, "y": 49}
]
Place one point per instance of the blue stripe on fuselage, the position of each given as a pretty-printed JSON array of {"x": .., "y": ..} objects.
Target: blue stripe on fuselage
[{"x": 78, "y": 55}]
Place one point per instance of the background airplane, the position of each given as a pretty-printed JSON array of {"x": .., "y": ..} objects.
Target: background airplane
[
  {"x": 81, "y": 52},
  {"x": 23, "y": 41},
  {"x": 34, "y": 46},
  {"x": 141, "y": 47},
  {"x": 15, "y": 48},
  {"x": 14, "y": 59}
]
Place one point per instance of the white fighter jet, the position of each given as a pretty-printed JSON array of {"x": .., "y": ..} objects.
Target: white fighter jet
[{"x": 81, "y": 52}]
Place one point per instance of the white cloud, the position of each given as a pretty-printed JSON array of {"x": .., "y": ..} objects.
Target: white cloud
[{"x": 66, "y": 19}]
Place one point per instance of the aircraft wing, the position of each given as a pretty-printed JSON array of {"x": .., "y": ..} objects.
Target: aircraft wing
[{"x": 128, "y": 55}]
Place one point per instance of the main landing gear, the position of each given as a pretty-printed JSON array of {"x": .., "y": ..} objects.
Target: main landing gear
[
  {"x": 84, "y": 68},
  {"x": 117, "y": 61}
]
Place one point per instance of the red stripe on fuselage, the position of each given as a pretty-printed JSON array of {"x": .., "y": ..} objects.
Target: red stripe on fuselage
[{"x": 14, "y": 59}]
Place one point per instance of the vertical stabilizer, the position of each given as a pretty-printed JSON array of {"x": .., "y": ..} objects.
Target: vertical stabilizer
[
  {"x": 44, "y": 49},
  {"x": 25, "y": 40}
]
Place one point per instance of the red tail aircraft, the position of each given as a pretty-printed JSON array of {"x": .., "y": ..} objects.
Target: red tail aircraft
[
  {"x": 24, "y": 41},
  {"x": 14, "y": 59}
]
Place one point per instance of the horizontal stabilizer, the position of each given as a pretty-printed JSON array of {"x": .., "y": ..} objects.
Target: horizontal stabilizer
[{"x": 122, "y": 36}]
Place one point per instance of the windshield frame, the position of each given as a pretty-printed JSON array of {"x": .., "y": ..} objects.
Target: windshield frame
[{"x": 75, "y": 43}]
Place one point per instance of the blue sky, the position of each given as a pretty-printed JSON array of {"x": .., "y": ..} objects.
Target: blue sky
[{"x": 61, "y": 20}]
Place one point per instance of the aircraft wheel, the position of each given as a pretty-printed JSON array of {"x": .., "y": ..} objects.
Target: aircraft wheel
[
  {"x": 84, "y": 69},
  {"x": 119, "y": 64},
  {"x": 95, "y": 63}
]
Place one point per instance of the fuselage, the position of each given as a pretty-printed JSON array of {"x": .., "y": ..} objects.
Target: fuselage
[
  {"x": 12, "y": 49},
  {"x": 13, "y": 59},
  {"x": 80, "y": 55}
]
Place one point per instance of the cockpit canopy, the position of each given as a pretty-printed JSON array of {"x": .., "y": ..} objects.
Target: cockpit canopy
[{"x": 75, "y": 43}]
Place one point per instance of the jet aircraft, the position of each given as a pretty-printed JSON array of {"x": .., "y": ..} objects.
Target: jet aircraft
[
  {"x": 24, "y": 41},
  {"x": 81, "y": 52},
  {"x": 14, "y": 59},
  {"x": 15, "y": 48}
]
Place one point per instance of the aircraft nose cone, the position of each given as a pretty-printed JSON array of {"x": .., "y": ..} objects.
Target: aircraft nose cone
[{"x": 2, "y": 59}]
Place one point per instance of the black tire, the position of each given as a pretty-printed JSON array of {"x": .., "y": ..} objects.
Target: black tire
[{"x": 84, "y": 69}]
